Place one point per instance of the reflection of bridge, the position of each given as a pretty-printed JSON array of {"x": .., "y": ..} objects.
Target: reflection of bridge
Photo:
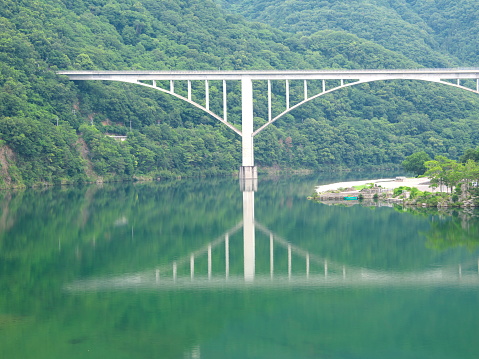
[
  {"x": 330, "y": 80},
  {"x": 289, "y": 265}
]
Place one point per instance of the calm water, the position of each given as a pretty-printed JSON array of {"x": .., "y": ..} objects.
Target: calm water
[{"x": 202, "y": 270}]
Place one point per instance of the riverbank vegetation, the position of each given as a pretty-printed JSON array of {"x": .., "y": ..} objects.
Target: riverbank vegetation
[
  {"x": 457, "y": 181},
  {"x": 453, "y": 184},
  {"x": 53, "y": 130}
]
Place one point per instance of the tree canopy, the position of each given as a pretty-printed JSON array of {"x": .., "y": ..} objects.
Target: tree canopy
[{"x": 415, "y": 163}]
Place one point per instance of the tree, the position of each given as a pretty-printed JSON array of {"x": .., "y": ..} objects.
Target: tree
[
  {"x": 415, "y": 163},
  {"x": 470, "y": 154},
  {"x": 441, "y": 172}
]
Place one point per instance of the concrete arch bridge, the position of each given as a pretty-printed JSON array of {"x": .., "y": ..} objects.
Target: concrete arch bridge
[{"x": 330, "y": 80}]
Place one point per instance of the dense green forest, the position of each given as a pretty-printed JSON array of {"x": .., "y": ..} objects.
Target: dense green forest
[
  {"x": 53, "y": 130},
  {"x": 436, "y": 33}
]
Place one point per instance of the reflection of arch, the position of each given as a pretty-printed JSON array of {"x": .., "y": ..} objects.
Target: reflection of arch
[
  {"x": 326, "y": 273},
  {"x": 330, "y": 275},
  {"x": 345, "y": 77}
]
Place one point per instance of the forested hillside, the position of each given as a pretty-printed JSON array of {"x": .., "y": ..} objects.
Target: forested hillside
[
  {"x": 436, "y": 33},
  {"x": 52, "y": 130}
]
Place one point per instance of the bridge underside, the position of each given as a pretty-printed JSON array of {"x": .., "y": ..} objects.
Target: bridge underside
[{"x": 329, "y": 81}]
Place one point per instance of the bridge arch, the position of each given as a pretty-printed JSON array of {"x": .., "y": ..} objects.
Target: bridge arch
[
  {"x": 346, "y": 77},
  {"x": 345, "y": 85},
  {"x": 196, "y": 104}
]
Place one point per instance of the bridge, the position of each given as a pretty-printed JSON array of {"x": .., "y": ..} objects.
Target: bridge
[{"x": 329, "y": 81}]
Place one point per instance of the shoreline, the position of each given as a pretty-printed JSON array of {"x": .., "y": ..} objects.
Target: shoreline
[{"x": 422, "y": 184}]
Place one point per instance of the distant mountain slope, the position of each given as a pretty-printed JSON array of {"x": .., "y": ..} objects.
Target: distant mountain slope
[
  {"x": 432, "y": 33},
  {"x": 455, "y": 25}
]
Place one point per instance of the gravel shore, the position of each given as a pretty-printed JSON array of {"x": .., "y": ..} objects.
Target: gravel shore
[{"x": 422, "y": 184}]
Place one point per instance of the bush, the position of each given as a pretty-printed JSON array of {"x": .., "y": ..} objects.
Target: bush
[
  {"x": 432, "y": 201},
  {"x": 400, "y": 190},
  {"x": 414, "y": 193}
]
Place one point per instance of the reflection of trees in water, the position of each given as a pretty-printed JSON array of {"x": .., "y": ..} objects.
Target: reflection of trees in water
[
  {"x": 461, "y": 228},
  {"x": 6, "y": 219},
  {"x": 450, "y": 227}
]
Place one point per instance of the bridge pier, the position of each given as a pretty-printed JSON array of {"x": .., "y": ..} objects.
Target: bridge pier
[{"x": 248, "y": 170}]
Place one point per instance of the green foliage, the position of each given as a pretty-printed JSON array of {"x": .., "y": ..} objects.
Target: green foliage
[
  {"x": 433, "y": 33},
  {"x": 452, "y": 174},
  {"x": 109, "y": 157},
  {"x": 470, "y": 154},
  {"x": 399, "y": 190},
  {"x": 415, "y": 163},
  {"x": 377, "y": 124},
  {"x": 367, "y": 186},
  {"x": 45, "y": 153}
]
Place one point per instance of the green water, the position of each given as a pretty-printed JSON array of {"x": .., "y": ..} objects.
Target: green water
[{"x": 158, "y": 270}]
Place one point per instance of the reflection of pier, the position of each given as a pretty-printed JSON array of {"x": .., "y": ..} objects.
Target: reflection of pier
[{"x": 289, "y": 265}]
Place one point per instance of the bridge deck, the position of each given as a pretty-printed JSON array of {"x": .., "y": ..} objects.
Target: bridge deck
[{"x": 363, "y": 75}]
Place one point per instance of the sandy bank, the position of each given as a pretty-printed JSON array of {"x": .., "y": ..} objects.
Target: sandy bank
[{"x": 423, "y": 184}]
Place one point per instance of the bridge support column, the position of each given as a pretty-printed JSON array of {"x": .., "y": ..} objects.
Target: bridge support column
[{"x": 247, "y": 170}]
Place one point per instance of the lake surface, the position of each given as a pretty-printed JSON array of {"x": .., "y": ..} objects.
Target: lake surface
[{"x": 200, "y": 269}]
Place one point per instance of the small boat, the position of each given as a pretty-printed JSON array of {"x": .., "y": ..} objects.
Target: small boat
[{"x": 350, "y": 198}]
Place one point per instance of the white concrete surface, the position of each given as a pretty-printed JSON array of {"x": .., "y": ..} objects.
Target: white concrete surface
[{"x": 422, "y": 184}]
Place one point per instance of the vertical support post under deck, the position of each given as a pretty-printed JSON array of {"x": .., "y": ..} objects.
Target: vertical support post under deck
[
  {"x": 225, "y": 106},
  {"x": 172, "y": 86},
  {"x": 189, "y": 90},
  {"x": 247, "y": 170},
  {"x": 324, "y": 85},
  {"x": 305, "y": 90},
  {"x": 287, "y": 94},
  {"x": 269, "y": 102},
  {"x": 207, "y": 95}
]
